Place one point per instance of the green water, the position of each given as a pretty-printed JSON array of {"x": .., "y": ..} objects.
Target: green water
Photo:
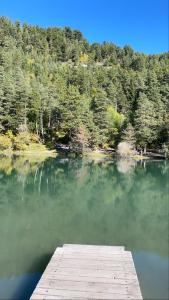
[{"x": 44, "y": 204}]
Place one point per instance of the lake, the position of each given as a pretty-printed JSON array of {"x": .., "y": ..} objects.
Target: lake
[{"x": 45, "y": 203}]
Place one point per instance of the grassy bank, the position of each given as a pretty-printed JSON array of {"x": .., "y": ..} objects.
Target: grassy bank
[
  {"x": 98, "y": 154},
  {"x": 24, "y": 143},
  {"x": 103, "y": 154},
  {"x": 38, "y": 150}
]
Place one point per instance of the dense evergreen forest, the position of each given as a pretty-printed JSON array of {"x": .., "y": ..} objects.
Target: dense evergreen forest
[{"x": 55, "y": 87}]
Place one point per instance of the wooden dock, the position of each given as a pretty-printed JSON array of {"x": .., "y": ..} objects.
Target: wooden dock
[{"x": 89, "y": 272}]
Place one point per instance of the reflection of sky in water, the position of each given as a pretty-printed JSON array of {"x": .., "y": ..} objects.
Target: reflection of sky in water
[
  {"x": 15, "y": 286},
  {"x": 152, "y": 269}
]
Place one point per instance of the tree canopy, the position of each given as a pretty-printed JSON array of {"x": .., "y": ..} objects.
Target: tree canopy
[{"x": 54, "y": 84}]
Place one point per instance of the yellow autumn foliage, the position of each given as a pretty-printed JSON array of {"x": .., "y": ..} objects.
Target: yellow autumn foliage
[
  {"x": 84, "y": 58},
  {"x": 5, "y": 142},
  {"x": 115, "y": 118}
]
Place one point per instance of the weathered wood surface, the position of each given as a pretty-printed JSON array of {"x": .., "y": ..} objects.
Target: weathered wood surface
[{"x": 89, "y": 272}]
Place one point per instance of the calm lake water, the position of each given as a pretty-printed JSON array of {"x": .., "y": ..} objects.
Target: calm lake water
[{"x": 44, "y": 204}]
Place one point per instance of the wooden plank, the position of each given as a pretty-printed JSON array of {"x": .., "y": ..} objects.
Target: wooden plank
[
  {"x": 92, "y": 273},
  {"x": 90, "y": 261},
  {"x": 89, "y": 272},
  {"x": 100, "y": 287},
  {"x": 94, "y": 251},
  {"x": 70, "y": 254},
  {"x": 122, "y": 268},
  {"x": 45, "y": 297},
  {"x": 94, "y": 247},
  {"x": 89, "y": 278},
  {"x": 84, "y": 257},
  {"x": 87, "y": 295},
  {"x": 93, "y": 254},
  {"x": 92, "y": 257}
]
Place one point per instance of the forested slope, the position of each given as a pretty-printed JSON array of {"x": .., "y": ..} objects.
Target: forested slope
[{"x": 56, "y": 85}]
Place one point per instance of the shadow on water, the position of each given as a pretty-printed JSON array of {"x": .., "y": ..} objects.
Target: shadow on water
[
  {"x": 44, "y": 204},
  {"x": 30, "y": 280}
]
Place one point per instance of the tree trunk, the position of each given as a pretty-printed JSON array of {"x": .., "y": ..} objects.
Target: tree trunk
[
  {"x": 37, "y": 131},
  {"x": 145, "y": 150},
  {"x": 41, "y": 125},
  {"x": 25, "y": 116},
  {"x": 49, "y": 121},
  {"x": 116, "y": 105}
]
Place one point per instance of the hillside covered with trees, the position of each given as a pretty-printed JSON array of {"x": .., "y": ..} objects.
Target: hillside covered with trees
[{"x": 55, "y": 87}]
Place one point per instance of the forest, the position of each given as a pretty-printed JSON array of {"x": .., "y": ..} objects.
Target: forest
[{"x": 57, "y": 88}]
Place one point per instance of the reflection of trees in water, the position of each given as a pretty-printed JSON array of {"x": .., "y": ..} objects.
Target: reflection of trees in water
[
  {"x": 80, "y": 201},
  {"x": 23, "y": 165},
  {"x": 126, "y": 165},
  {"x": 6, "y": 165},
  {"x": 55, "y": 177}
]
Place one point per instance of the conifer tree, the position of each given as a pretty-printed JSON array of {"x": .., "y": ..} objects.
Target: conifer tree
[
  {"x": 128, "y": 135},
  {"x": 145, "y": 122},
  {"x": 99, "y": 107}
]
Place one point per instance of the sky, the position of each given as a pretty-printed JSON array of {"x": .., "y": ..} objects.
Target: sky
[{"x": 142, "y": 24}]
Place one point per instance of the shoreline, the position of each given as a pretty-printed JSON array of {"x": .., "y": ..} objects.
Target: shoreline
[
  {"x": 96, "y": 154},
  {"x": 47, "y": 153},
  {"x": 101, "y": 154}
]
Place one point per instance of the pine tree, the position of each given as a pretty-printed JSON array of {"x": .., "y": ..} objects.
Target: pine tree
[
  {"x": 145, "y": 122},
  {"x": 128, "y": 135},
  {"x": 99, "y": 107},
  {"x": 70, "y": 109},
  {"x": 79, "y": 142},
  {"x": 19, "y": 105},
  {"x": 1, "y": 97}
]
